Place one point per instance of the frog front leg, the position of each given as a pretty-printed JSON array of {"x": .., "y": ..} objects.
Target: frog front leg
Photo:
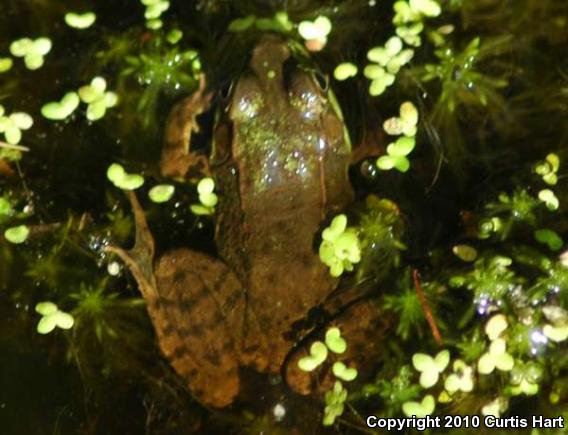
[
  {"x": 177, "y": 160},
  {"x": 198, "y": 308}
]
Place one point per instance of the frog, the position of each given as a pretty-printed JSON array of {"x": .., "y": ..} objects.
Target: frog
[{"x": 280, "y": 160}]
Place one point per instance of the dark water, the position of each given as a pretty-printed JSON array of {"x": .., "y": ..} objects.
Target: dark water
[{"x": 106, "y": 375}]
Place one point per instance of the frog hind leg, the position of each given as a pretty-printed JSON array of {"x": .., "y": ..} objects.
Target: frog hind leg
[
  {"x": 196, "y": 319},
  {"x": 190, "y": 313},
  {"x": 364, "y": 327}
]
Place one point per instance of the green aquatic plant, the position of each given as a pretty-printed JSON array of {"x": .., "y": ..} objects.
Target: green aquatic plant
[
  {"x": 315, "y": 32},
  {"x": 334, "y": 403},
  {"x": 207, "y": 197},
  {"x": 461, "y": 82},
  {"x": 496, "y": 357},
  {"x": 508, "y": 212},
  {"x": 159, "y": 68},
  {"x": 430, "y": 368},
  {"x": 491, "y": 280},
  {"x": 461, "y": 379},
  {"x": 341, "y": 371},
  {"x": 548, "y": 169},
  {"x": 465, "y": 253},
  {"x": 161, "y": 193},
  {"x": 97, "y": 98},
  {"x": 549, "y": 198},
  {"x": 12, "y": 125},
  {"x": 549, "y": 238},
  {"x": 80, "y": 21},
  {"x": 334, "y": 341},
  {"x": 405, "y": 303},
  {"x": 122, "y": 179},
  {"x": 345, "y": 70},
  {"x": 17, "y": 235},
  {"x": 52, "y": 317},
  {"x": 525, "y": 378},
  {"x": 154, "y": 11},
  {"x": 318, "y": 354},
  {"x": 96, "y": 311},
  {"x": 420, "y": 409},
  {"x": 381, "y": 229},
  {"x": 32, "y": 50},
  {"x": 5, "y": 64},
  {"x": 60, "y": 110},
  {"x": 388, "y": 59},
  {"x": 279, "y": 23},
  {"x": 340, "y": 248},
  {"x": 404, "y": 125}
]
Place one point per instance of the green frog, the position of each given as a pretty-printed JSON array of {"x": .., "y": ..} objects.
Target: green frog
[{"x": 280, "y": 162}]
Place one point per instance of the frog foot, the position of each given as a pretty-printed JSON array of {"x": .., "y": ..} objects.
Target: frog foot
[
  {"x": 177, "y": 161},
  {"x": 139, "y": 259},
  {"x": 363, "y": 327}
]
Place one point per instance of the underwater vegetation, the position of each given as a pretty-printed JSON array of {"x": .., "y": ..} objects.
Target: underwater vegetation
[{"x": 449, "y": 243}]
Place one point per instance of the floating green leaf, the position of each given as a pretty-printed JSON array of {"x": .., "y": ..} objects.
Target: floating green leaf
[
  {"x": 334, "y": 341},
  {"x": 317, "y": 29},
  {"x": 59, "y": 110},
  {"x": 341, "y": 371},
  {"x": 17, "y": 234},
  {"x": 430, "y": 368},
  {"x": 161, "y": 193},
  {"x": 318, "y": 354},
  {"x": 80, "y": 21},
  {"x": 550, "y": 238},
  {"x": 345, "y": 70},
  {"x": 420, "y": 409},
  {"x": 5, "y": 64},
  {"x": 123, "y": 180}
]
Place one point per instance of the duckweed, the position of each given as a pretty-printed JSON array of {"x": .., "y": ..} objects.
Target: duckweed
[
  {"x": 123, "y": 180},
  {"x": 334, "y": 341},
  {"x": 317, "y": 29},
  {"x": 207, "y": 198},
  {"x": 32, "y": 50},
  {"x": 340, "y": 248},
  {"x": 12, "y": 125},
  {"x": 549, "y": 238},
  {"x": 341, "y": 371},
  {"x": 52, "y": 317},
  {"x": 5, "y": 64},
  {"x": 60, "y": 110},
  {"x": 496, "y": 357},
  {"x": 80, "y": 21},
  {"x": 420, "y": 409},
  {"x": 461, "y": 379},
  {"x": 430, "y": 368},
  {"x": 97, "y": 98},
  {"x": 161, "y": 193},
  {"x": 318, "y": 354},
  {"x": 17, "y": 234},
  {"x": 334, "y": 403},
  {"x": 344, "y": 71}
]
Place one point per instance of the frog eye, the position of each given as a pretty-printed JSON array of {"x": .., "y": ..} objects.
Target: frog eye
[
  {"x": 322, "y": 80},
  {"x": 307, "y": 95},
  {"x": 226, "y": 91}
]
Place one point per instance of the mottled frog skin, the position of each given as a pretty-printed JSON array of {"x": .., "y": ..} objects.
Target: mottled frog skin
[{"x": 280, "y": 160}]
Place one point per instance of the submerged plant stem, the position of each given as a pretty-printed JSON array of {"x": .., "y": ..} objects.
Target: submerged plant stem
[{"x": 426, "y": 308}]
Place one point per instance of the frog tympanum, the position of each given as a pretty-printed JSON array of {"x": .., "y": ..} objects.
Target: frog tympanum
[{"x": 280, "y": 160}]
